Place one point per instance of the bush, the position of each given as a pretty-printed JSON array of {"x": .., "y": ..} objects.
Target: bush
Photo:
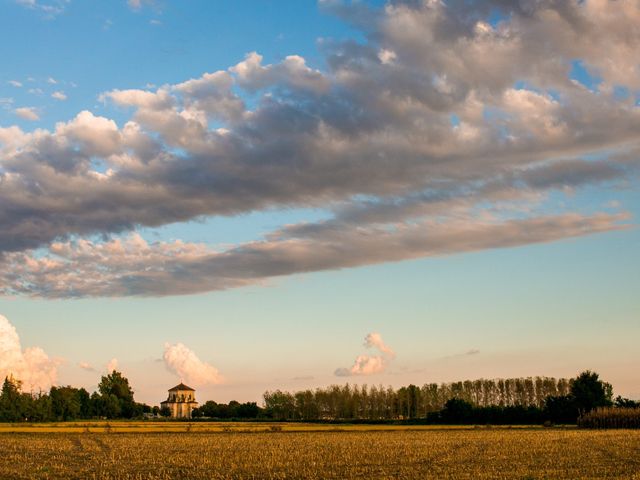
[{"x": 611, "y": 417}]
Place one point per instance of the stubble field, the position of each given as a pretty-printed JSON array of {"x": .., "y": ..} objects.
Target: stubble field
[{"x": 261, "y": 452}]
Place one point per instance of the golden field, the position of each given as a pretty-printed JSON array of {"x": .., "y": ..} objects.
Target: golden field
[{"x": 145, "y": 450}]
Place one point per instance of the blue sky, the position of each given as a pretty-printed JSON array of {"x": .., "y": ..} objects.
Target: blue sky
[{"x": 528, "y": 265}]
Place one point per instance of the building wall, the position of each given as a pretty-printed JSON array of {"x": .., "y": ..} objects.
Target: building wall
[{"x": 181, "y": 403}]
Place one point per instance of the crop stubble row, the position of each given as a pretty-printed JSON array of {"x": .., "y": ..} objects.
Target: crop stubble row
[{"x": 437, "y": 454}]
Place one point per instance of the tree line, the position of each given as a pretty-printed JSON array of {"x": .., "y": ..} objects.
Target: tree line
[
  {"x": 114, "y": 399},
  {"x": 502, "y": 401},
  {"x": 380, "y": 403}
]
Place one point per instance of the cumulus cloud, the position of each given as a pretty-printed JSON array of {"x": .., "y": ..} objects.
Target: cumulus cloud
[
  {"x": 112, "y": 365},
  {"x": 49, "y": 9},
  {"x": 369, "y": 364},
  {"x": 15, "y": 83},
  {"x": 27, "y": 113},
  {"x": 374, "y": 340},
  {"x": 441, "y": 126},
  {"x": 32, "y": 366},
  {"x": 59, "y": 95},
  {"x": 183, "y": 362},
  {"x": 86, "y": 366}
]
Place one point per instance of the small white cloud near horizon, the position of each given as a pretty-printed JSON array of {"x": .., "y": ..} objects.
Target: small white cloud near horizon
[
  {"x": 27, "y": 113},
  {"x": 59, "y": 95},
  {"x": 369, "y": 364},
  {"x": 374, "y": 339},
  {"x": 112, "y": 365},
  {"x": 183, "y": 362},
  {"x": 86, "y": 366},
  {"x": 32, "y": 366}
]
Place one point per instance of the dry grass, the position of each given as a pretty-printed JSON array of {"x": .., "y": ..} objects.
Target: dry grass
[{"x": 433, "y": 453}]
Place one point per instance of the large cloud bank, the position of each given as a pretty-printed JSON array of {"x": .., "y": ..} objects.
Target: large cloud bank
[
  {"x": 442, "y": 132},
  {"x": 31, "y": 366}
]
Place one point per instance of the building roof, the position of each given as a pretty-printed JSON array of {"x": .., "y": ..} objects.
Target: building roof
[{"x": 181, "y": 386}]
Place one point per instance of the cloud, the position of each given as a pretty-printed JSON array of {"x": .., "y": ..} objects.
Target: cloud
[
  {"x": 59, "y": 96},
  {"x": 32, "y": 366},
  {"x": 138, "y": 4},
  {"x": 112, "y": 365},
  {"x": 132, "y": 266},
  {"x": 49, "y": 9},
  {"x": 27, "y": 113},
  {"x": 369, "y": 364},
  {"x": 374, "y": 340},
  {"x": 15, "y": 83},
  {"x": 440, "y": 133},
  {"x": 87, "y": 366},
  {"x": 183, "y": 362},
  {"x": 52, "y": 81}
]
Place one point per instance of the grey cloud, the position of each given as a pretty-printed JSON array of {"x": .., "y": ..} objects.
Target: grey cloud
[
  {"x": 371, "y": 138},
  {"x": 132, "y": 267}
]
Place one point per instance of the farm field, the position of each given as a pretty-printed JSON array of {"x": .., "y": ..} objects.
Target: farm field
[{"x": 327, "y": 452}]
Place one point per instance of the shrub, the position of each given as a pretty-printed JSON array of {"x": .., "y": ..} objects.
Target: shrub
[{"x": 611, "y": 417}]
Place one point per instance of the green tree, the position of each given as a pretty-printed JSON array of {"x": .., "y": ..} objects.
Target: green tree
[
  {"x": 589, "y": 392},
  {"x": 116, "y": 385},
  {"x": 11, "y": 401},
  {"x": 65, "y": 403}
]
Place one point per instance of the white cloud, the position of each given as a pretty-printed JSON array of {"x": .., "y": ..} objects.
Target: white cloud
[
  {"x": 138, "y": 4},
  {"x": 374, "y": 340},
  {"x": 52, "y": 81},
  {"x": 370, "y": 364},
  {"x": 27, "y": 113},
  {"x": 32, "y": 366},
  {"x": 86, "y": 366},
  {"x": 59, "y": 95},
  {"x": 49, "y": 9},
  {"x": 112, "y": 365},
  {"x": 182, "y": 361},
  {"x": 15, "y": 83}
]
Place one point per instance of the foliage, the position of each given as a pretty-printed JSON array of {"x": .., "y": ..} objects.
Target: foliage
[
  {"x": 11, "y": 401},
  {"x": 589, "y": 392},
  {"x": 65, "y": 403},
  {"x": 609, "y": 417},
  {"x": 625, "y": 402},
  {"x": 211, "y": 409},
  {"x": 117, "y": 396},
  {"x": 375, "y": 403}
]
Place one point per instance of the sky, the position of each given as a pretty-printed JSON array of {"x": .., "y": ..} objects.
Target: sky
[{"x": 253, "y": 195}]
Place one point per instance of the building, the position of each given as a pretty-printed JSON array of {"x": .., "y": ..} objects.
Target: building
[{"x": 181, "y": 401}]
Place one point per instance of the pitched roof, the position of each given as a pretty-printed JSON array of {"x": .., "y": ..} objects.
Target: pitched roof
[{"x": 181, "y": 386}]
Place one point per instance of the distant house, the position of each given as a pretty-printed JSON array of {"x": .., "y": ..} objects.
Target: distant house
[{"x": 181, "y": 401}]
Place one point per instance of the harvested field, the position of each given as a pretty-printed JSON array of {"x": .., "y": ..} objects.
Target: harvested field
[{"x": 356, "y": 452}]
